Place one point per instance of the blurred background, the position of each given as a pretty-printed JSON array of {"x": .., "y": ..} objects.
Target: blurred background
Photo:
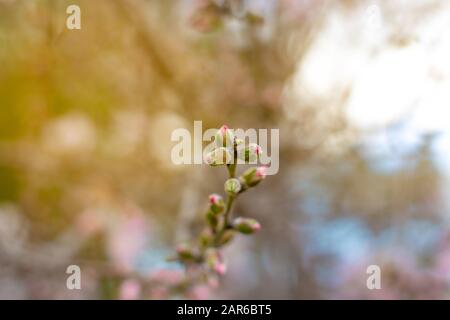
[{"x": 360, "y": 91}]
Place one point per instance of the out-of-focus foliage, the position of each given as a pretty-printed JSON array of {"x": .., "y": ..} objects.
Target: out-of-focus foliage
[{"x": 85, "y": 171}]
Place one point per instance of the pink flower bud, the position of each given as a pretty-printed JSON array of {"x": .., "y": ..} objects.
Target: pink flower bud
[
  {"x": 253, "y": 176},
  {"x": 224, "y": 137},
  {"x": 246, "y": 225},
  {"x": 214, "y": 198},
  {"x": 261, "y": 172},
  {"x": 250, "y": 153},
  {"x": 215, "y": 262},
  {"x": 255, "y": 148},
  {"x": 216, "y": 203},
  {"x": 220, "y": 268}
]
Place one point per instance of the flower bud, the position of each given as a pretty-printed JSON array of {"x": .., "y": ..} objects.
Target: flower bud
[
  {"x": 224, "y": 137},
  {"x": 232, "y": 186},
  {"x": 216, "y": 203},
  {"x": 246, "y": 225},
  {"x": 253, "y": 176},
  {"x": 220, "y": 268},
  {"x": 219, "y": 157},
  {"x": 215, "y": 262},
  {"x": 206, "y": 238},
  {"x": 251, "y": 153},
  {"x": 212, "y": 219},
  {"x": 185, "y": 251}
]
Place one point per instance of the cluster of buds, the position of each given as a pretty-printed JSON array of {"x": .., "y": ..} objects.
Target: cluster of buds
[
  {"x": 228, "y": 149},
  {"x": 220, "y": 228},
  {"x": 223, "y": 154}
]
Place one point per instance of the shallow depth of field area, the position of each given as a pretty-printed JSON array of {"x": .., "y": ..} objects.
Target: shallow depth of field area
[{"x": 360, "y": 93}]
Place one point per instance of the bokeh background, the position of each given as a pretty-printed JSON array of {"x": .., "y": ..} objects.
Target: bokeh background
[{"x": 360, "y": 91}]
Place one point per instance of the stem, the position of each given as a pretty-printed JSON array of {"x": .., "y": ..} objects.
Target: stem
[
  {"x": 230, "y": 201},
  {"x": 232, "y": 167},
  {"x": 224, "y": 227}
]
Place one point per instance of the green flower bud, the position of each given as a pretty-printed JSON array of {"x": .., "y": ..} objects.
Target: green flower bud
[
  {"x": 185, "y": 252},
  {"x": 216, "y": 203},
  {"x": 224, "y": 137},
  {"x": 246, "y": 225},
  {"x": 219, "y": 157},
  {"x": 232, "y": 186},
  {"x": 253, "y": 176},
  {"x": 250, "y": 153},
  {"x": 212, "y": 219}
]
